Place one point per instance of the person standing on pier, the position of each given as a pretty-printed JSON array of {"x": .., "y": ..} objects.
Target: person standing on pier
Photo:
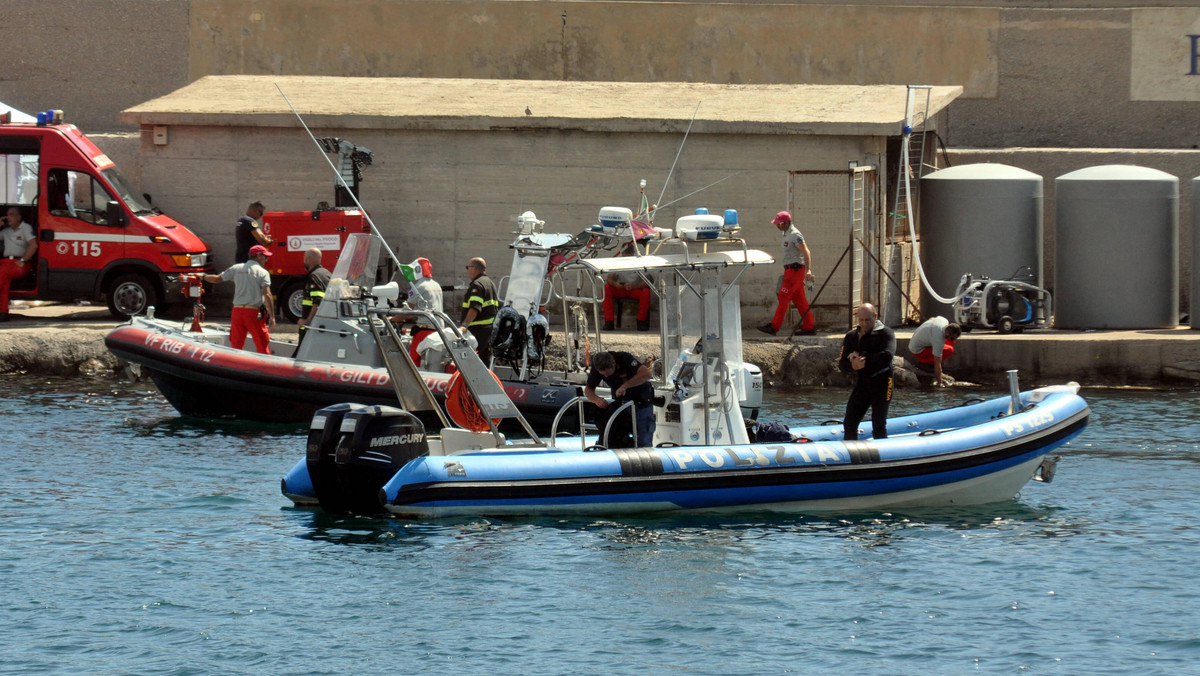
[
  {"x": 797, "y": 269},
  {"x": 867, "y": 350},
  {"x": 248, "y": 233}
]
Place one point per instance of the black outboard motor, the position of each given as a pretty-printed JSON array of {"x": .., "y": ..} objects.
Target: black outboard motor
[
  {"x": 323, "y": 434},
  {"x": 374, "y": 443}
]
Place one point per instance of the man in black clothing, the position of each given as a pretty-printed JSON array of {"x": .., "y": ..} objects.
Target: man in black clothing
[
  {"x": 629, "y": 380},
  {"x": 868, "y": 350},
  {"x": 315, "y": 284},
  {"x": 479, "y": 308},
  {"x": 248, "y": 233}
]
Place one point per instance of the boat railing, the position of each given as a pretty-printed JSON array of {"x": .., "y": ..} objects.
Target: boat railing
[
  {"x": 613, "y": 418},
  {"x": 577, "y": 403}
]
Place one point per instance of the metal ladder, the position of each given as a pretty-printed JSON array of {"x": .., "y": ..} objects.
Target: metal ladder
[{"x": 912, "y": 158}]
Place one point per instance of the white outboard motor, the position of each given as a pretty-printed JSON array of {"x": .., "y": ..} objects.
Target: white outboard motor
[{"x": 752, "y": 382}]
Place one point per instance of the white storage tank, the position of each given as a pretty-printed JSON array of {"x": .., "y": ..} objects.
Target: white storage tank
[
  {"x": 1116, "y": 254},
  {"x": 979, "y": 219}
]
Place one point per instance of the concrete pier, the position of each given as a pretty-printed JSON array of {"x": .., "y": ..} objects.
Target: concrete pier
[{"x": 68, "y": 340}]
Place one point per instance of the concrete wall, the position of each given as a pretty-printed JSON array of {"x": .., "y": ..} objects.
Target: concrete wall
[
  {"x": 92, "y": 59},
  {"x": 1062, "y": 73},
  {"x": 453, "y": 195}
]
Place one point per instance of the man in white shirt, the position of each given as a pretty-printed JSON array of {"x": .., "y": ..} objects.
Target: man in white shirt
[
  {"x": 253, "y": 305},
  {"x": 797, "y": 270},
  {"x": 933, "y": 343},
  {"x": 20, "y": 247}
]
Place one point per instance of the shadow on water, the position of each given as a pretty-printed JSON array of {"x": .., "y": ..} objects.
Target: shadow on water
[
  {"x": 867, "y": 528},
  {"x": 189, "y": 427}
]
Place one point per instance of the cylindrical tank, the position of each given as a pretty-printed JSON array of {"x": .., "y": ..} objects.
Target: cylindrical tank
[
  {"x": 979, "y": 219},
  {"x": 1116, "y": 252},
  {"x": 1194, "y": 302}
]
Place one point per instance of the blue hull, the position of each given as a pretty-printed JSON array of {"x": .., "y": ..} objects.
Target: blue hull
[{"x": 967, "y": 455}]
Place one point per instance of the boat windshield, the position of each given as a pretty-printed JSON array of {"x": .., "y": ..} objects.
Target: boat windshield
[{"x": 355, "y": 268}]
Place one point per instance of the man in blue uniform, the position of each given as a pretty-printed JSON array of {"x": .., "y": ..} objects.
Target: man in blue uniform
[{"x": 629, "y": 380}]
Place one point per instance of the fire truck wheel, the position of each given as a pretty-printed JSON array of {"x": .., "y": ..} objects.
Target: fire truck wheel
[
  {"x": 131, "y": 294},
  {"x": 290, "y": 301}
]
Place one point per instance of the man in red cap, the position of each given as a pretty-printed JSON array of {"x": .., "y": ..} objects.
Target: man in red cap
[
  {"x": 253, "y": 305},
  {"x": 796, "y": 270}
]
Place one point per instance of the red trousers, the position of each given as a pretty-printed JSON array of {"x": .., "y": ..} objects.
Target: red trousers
[
  {"x": 245, "y": 320},
  {"x": 792, "y": 291},
  {"x": 612, "y": 293},
  {"x": 926, "y": 356},
  {"x": 9, "y": 270}
]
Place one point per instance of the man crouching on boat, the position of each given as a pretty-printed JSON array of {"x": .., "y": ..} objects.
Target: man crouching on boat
[
  {"x": 253, "y": 304},
  {"x": 629, "y": 380}
]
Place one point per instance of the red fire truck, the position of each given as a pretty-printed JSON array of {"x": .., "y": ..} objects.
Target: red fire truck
[
  {"x": 294, "y": 233},
  {"x": 97, "y": 237}
]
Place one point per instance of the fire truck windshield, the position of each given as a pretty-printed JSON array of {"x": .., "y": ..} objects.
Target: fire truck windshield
[{"x": 127, "y": 193}]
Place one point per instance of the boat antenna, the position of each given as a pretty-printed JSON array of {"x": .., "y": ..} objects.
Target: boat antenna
[
  {"x": 677, "y": 154},
  {"x": 699, "y": 190},
  {"x": 341, "y": 181}
]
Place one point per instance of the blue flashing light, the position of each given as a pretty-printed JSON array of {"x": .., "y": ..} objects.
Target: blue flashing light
[{"x": 700, "y": 211}]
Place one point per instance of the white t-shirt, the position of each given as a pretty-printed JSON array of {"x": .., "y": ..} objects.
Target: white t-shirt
[
  {"x": 930, "y": 334},
  {"x": 793, "y": 251},
  {"x": 17, "y": 239},
  {"x": 249, "y": 280}
]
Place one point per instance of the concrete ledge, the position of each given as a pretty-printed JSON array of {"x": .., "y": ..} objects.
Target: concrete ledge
[{"x": 69, "y": 340}]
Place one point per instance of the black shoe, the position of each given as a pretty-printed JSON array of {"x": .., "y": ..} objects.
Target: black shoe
[
  {"x": 806, "y": 332},
  {"x": 3, "y": 316},
  {"x": 767, "y": 329},
  {"x": 608, "y": 326},
  {"x": 643, "y": 325}
]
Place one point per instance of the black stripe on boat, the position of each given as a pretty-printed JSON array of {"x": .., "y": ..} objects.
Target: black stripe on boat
[
  {"x": 862, "y": 452},
  {"x": 524, "y": 489},
  {"x": 639, "y": 461}
]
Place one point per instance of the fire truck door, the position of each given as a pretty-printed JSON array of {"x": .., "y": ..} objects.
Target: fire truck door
[{"x": 77, "y": 239}]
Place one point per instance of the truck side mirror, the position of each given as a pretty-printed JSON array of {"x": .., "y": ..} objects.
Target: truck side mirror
[{"x": 116, "y": 217}]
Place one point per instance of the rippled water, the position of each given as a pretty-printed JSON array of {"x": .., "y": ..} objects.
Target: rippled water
[{"x": 135, "y": 541}]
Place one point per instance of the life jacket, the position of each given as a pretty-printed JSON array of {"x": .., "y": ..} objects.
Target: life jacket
[
  {"x": 508, "y": 334},
  {"x": 539, "y": 338}
]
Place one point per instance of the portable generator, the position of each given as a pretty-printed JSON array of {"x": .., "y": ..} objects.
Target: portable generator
[{"x": 1003, "y": 304}]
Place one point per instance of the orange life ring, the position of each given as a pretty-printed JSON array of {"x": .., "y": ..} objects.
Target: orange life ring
[{"x": 463, "y": 409}]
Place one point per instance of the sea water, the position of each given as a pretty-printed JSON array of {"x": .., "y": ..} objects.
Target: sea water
[{"x": 134, "y": 541}]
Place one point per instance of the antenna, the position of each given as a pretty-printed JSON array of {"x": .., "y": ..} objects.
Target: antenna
[
  {"x": 341, "y": 181},
  {"x": 677, "y": 154}
]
